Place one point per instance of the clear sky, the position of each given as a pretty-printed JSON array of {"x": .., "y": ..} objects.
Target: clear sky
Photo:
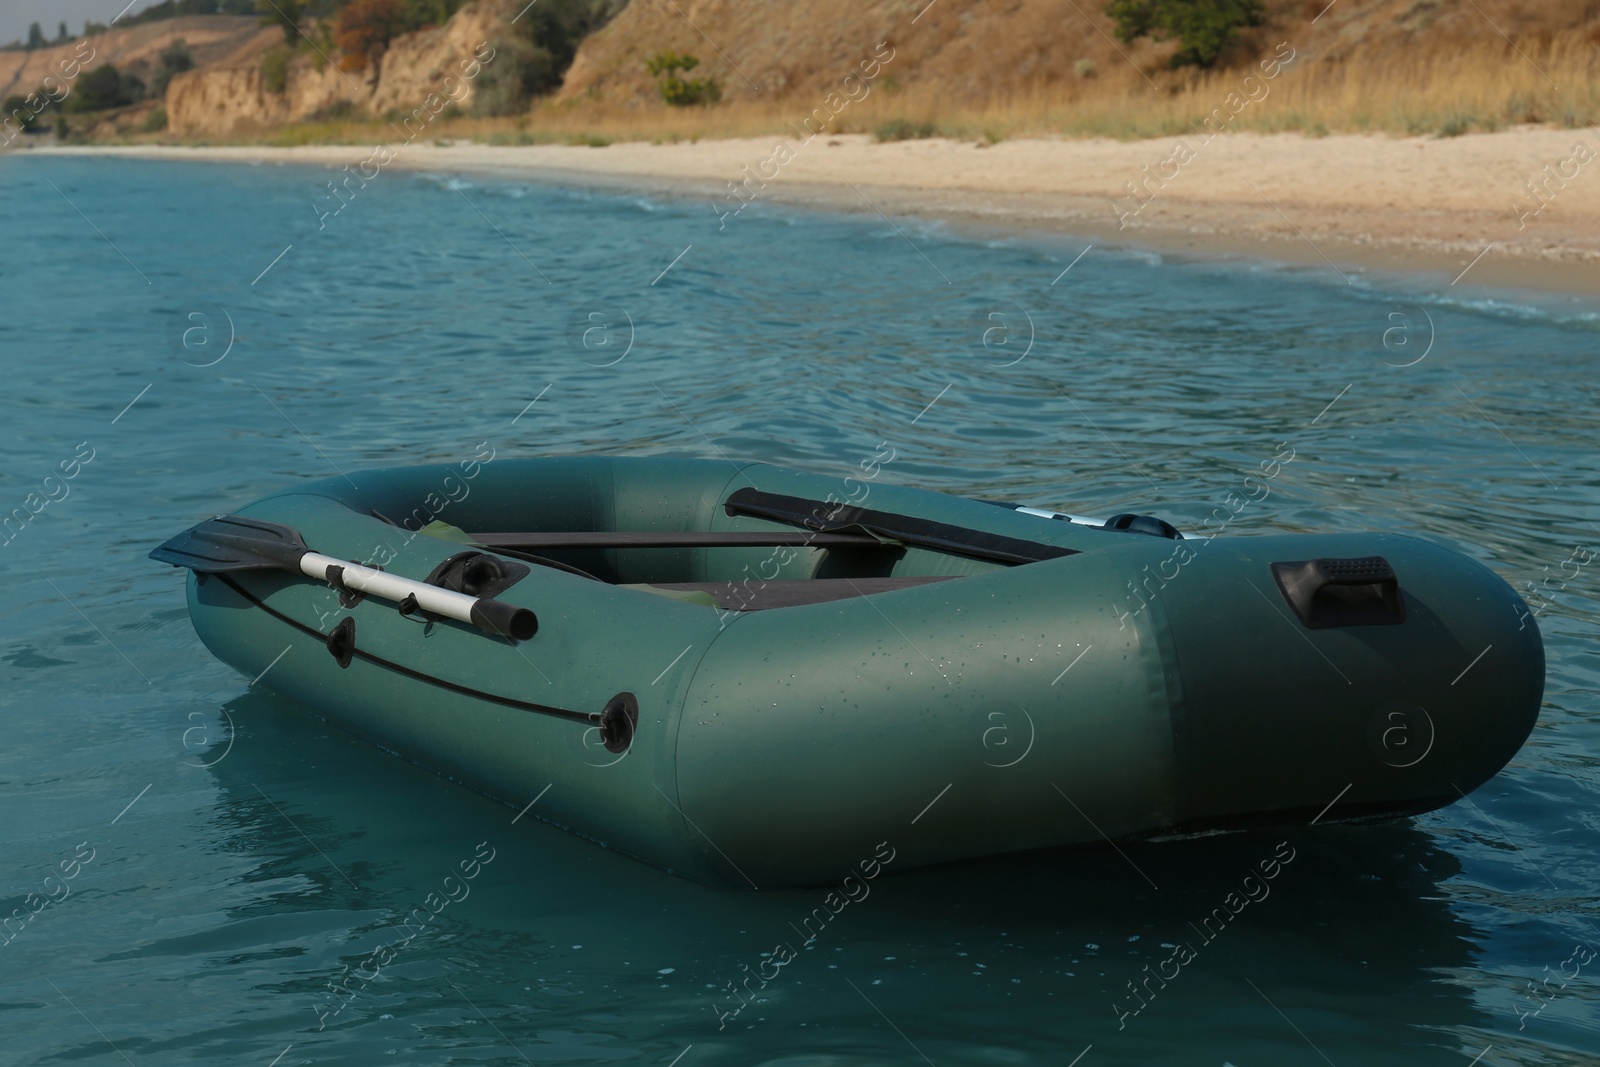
[{"x": 15, "y": 15}]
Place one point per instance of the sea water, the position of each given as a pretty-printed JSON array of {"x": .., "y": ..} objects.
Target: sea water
[{"x": 199, "y": 872}]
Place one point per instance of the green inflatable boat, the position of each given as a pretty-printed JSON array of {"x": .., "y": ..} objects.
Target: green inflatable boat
[{"x": 758, "y": 677}]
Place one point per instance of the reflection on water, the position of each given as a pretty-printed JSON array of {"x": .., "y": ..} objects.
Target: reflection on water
[
  {"x": 576, "y": 952},
  {"x": 262, "y": 884}
]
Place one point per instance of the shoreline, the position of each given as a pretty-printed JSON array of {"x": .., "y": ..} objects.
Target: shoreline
[{"x": 1349, "y": 203}]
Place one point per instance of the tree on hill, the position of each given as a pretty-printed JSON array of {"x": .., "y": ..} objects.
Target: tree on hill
[
  {"x": 559, "y": 28},
  {"x": 364, "y": 28},
  {"x": 285, "y": 13},
  {"x": 62, "y": 34},
  {"x": 15, "y": 113},
  {"x": 102, "y": 88},
  {"x": 534, "y": 61},
  {"x": 174, "y": 59},
  {"x": 35, "y": 37},
  {"x": 433, "y": 12},
  {"x": 1205, "y": 28}
]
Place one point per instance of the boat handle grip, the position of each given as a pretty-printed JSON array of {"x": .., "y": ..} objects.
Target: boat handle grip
[{"x": 1324, "y": 593}]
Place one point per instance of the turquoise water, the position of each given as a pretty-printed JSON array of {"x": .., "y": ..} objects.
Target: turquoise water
[{"x": 205, "y": 861}]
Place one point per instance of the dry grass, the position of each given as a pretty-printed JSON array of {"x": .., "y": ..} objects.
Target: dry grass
[{"x": 1444, "y": 92}]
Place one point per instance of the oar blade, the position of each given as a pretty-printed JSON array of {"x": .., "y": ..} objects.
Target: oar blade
[{"x": 234, "y": 543}]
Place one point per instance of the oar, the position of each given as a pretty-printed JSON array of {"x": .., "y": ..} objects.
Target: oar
[
  {"x": 234, "y": 543},
  {"x": 833, "y": 517},
  {"x": 676, "y": 539}
]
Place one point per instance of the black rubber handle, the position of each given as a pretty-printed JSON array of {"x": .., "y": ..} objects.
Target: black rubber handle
[
  {"x": 1342, "y": 592},
  {"x": 504, "y": 620}
]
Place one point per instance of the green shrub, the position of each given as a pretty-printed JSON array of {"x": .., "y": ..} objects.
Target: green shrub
[
  {"x": 690, "y": 92},
  {"x": 535, "y": 58},
  {"x": 174, "y": 59},
  {"x": 518, "y": 71},
  {"x": 15, "y": 114},
  {"x": 904, "y": 130},
  {"x": 285, "y": 14},
  {"x": 676, "y": 90},
  {"x": 558, "y": 27},
  {"x": 338, "y": 111},
  {"x": 102, "y": 88},
  {"x": 275, "y": 71},
  {"x": 514, "y": 137},
  {"x": 156, "y": 121},
  {"x": 1205, "y": 28}
]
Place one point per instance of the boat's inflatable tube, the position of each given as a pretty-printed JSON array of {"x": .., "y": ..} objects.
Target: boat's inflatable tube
[{"x": 757, "y": 676}]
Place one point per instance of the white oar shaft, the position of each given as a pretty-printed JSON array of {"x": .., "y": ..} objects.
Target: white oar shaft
[
  {"x": 431, "y": 598},
  {"x": 1076, "y": 519}
]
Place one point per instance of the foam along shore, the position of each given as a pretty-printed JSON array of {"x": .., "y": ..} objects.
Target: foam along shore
[{"x": 1519, "y": 208}]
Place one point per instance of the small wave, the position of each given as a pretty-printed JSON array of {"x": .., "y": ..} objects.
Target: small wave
[
  {"x": 451, "y": 182},
  {"x": 1516, "y": 311},
  {"x": 1502, "y": 308},
  {"x": 1397, "y": 290},
  {"x": 1142, "y": 255}
]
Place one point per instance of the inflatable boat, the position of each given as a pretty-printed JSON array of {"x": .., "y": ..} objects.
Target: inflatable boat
[{"x": 758, "y": 677}]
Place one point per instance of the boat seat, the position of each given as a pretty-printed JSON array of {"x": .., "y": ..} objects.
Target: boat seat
[{"x": 790, "y": 593}]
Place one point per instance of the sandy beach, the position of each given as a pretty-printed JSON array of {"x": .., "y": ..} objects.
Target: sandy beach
[{"x": 1349, "y": 202}]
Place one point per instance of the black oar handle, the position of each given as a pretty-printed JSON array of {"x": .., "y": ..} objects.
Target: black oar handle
[{"x": 506, "y": 620}]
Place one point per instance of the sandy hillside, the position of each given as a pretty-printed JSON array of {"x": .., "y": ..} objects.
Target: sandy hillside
[
  {"x": 210, "y": 38},
  {"x": 970, "y": 49},
  {"x": 232, "y": 96}
]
